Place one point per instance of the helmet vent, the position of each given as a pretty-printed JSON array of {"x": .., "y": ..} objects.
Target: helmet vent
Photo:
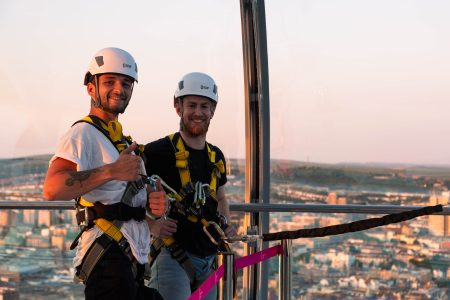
[
  {"x": 181, "y": 85},
  {"x": 99, "y": 60}
]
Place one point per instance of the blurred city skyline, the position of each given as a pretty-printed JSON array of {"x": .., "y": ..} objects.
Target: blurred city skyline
[{"x": 350, "y": 81}]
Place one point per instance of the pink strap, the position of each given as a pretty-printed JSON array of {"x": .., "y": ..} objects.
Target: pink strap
[
  {"x": 257, "y": 257},
  {"x": 207, "y": 285},
  {"x": 239, "y": 263}
]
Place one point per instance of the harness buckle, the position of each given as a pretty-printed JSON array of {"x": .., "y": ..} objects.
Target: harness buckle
[{"x": 82, "y": 224}]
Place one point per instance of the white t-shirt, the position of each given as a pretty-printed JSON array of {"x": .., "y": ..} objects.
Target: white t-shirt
[{"x": 88, "y": 148}]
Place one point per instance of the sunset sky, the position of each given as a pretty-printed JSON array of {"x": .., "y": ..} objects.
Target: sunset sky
[{"x": 350, "y": 81}]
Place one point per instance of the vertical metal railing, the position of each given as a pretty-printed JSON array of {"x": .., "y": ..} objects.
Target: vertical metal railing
[
  {"x": 257, "y": 131},
  {"x": 226, "y": 284},
  {"x": 285, "y": 281}
]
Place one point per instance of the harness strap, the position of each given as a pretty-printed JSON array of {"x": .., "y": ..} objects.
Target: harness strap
[
  {"x": 104, "y": 214},
  {"x": 182, "y": 163},
  {"x": 101, "y": 245},
  {"x": 118, "y": 211},
  {"x": 182, "y": 156}
]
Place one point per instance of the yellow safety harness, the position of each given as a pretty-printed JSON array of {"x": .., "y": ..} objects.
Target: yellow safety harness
[
  {"x": 182, "y": 156},
  {"x": 110, "y": 228},
  {"x": 210, "y": 228}
]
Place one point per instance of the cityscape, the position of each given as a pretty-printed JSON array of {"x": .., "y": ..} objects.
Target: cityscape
[{"x": 407, "y": 260}]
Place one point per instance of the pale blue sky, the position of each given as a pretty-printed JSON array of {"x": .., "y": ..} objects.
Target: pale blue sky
[{"x": 350, "y": 81}]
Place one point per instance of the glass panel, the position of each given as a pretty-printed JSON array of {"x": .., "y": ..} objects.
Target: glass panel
[
  {"x": 46, "y": 49},
  {"x": 398, "y": 261},
  {"x": 359, "y": 81},
  {"x": 35, "y": 259},
  {"x": 358, "y": 95}
]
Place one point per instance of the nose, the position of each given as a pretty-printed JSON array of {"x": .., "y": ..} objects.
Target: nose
[{"x": 118, "y": 87}]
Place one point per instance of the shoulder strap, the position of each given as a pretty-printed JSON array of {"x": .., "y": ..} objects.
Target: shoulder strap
[
  {"x": 181, "y": 158},
  {"x": 218, "y": 168},
  {"x": 101, "y": 126},
  {"x": 113, "y": 131},
  {"x": 182, "y": 155}
]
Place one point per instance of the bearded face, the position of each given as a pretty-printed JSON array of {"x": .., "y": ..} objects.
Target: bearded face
[{"x": 195, "y": 114}]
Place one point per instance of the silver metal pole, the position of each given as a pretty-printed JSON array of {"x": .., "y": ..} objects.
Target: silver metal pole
[
  {"x": 284, "y": 274},
  {"x": 226, "y": 284},
  {"x": 257, "y": 131}
]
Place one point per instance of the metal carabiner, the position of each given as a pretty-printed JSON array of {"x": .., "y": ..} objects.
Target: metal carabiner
[{"x": 218, "y": 230}]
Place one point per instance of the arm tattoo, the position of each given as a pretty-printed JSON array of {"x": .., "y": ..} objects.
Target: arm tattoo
[{"x": 79, "y": 176}]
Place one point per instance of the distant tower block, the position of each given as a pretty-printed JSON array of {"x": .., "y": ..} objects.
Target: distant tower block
[
  {"x": 228, "y": 162},
  {"x": 342, "y": 201},
  {"x": 44, "y": 217},
  {"x": 29, "y": 217},
  {"x": 5, "y": 218},
  {"x": 332, "y": 198},
  {"x": 439, "y": 225}
]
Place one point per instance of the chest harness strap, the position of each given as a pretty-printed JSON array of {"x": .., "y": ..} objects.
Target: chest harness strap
[
  {"x": 108, "y": 218},
  {"x": 211, "y": 229}
]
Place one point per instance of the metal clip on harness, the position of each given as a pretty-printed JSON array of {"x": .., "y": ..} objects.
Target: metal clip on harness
[{"x": 220, "y": 235}]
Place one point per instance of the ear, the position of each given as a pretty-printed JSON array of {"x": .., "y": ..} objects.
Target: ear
[{"x": 91, "y": 90}]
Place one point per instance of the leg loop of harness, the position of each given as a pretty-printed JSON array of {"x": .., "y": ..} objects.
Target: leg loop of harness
[{"x": 100, "y": 247}]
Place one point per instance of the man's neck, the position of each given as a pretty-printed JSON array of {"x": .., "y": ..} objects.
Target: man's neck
[
  {"x": 105, "y": 116},
  {"x": 195, "y": 142}
]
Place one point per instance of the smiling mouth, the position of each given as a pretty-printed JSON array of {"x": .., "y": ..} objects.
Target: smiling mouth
[{"x": 116, "y": 99}]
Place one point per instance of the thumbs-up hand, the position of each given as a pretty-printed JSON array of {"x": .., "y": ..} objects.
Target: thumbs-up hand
[
  {"x": 157, "y": 200},
  {"x": 128, "y": 166}
]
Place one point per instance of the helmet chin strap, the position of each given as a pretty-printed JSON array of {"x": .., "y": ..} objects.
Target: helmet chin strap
[{"x": 97, "y": 101}]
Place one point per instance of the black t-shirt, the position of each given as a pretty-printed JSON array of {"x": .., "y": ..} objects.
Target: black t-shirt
[{"x": 161, "y": 161}]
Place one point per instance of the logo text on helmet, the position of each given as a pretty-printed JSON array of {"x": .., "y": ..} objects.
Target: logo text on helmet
[
  {"x": 204, "y": 87},
  {"x": 126, "y": 65}
]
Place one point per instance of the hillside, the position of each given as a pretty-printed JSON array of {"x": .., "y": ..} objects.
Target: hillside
[{"x": 370, "y": 177}]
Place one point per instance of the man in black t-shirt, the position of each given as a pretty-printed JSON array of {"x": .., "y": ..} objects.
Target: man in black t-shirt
[{"x": 196, "y": 170}]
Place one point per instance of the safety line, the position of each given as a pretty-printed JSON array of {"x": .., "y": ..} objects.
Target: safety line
[{"x": 353, "y": 226}]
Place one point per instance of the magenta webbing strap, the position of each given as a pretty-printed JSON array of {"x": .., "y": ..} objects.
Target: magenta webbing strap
[
  {"x": 257, "y": 257},
  {"x": 208, "y": 284},
  {"x": 239, "y": 263}
]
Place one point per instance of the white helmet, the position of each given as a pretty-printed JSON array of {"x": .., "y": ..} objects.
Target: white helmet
[
  {"x": 112, "y": 60},
  {"x": 198, "y": 84}
]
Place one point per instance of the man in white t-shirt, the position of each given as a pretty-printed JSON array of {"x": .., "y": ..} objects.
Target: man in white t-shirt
[{"x": 95, "y": 164}]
